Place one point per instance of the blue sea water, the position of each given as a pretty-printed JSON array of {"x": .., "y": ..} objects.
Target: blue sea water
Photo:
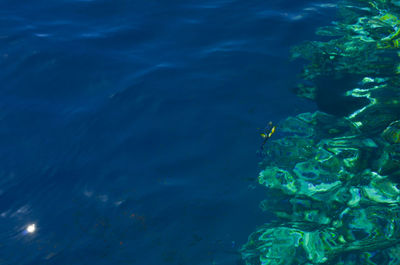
[{"x": 128, "y": 129}]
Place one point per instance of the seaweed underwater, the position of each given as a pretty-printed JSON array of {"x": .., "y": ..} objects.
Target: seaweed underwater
[{"x": 339, "y": 168}]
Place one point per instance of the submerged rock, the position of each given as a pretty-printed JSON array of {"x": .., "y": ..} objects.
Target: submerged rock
[
  {"x": 326, "y": 167},
  {"x": 392, "y": 133},
  {"x": 335, "y": 178}
]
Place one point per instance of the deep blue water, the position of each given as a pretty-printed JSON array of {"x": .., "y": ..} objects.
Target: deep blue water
[{"x": 128, "y": 129}]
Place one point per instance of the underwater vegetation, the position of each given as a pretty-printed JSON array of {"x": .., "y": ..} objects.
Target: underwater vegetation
[{"x": 338, "y": 169}]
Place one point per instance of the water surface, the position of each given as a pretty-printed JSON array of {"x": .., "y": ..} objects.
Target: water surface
[{"x": 129, "y": 128}]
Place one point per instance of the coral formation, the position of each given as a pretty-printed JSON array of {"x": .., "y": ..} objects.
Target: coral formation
[{"x": 338, "y": 169}]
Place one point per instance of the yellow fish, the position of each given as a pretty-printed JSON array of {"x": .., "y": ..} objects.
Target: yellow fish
[{"x": 267, "y": 133}]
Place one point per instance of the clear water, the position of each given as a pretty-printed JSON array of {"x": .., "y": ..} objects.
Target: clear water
[{"x": 128, "y": 129}]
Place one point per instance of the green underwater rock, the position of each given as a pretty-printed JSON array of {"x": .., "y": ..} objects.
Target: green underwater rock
[
  {"x": 360, "y": 230},
  {"x": 365, "y": 45},
  {"x": 276, "y": 178},
  {"x": 333, "y": 178},
  {"x": 389, "y": 160},
  {"x": 392, "y": 133},
  {"x": 338, "y": 203},
  {"x": 273, "y": 246}
]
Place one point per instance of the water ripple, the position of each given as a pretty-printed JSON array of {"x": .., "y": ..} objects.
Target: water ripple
[{"x": 120, "y": 117}]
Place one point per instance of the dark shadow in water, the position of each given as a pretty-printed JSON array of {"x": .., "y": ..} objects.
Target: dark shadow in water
[{"x": 330, "y": 95}]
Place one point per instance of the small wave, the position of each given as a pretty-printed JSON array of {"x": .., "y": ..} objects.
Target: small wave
[
  {"x": 297, "y": 15},
  {"x": 225, "y": 46}
]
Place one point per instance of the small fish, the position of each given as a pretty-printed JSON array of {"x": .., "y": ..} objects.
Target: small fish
[{"x": 267, "y": 133}]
